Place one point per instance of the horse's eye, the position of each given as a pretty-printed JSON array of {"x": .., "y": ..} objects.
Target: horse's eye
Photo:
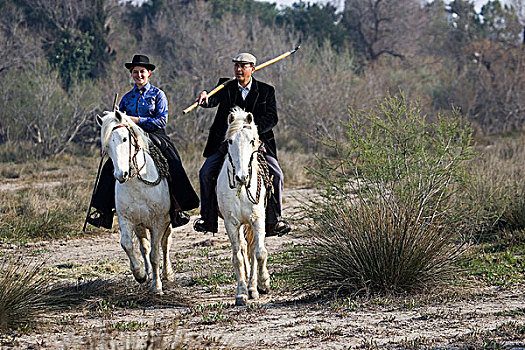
[
  {"x": 124, "y": 139},
  {"x": 230, "y": 141}
]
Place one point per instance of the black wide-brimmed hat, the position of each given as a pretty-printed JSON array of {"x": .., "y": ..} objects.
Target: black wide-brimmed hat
[{"x": 140, "y": 60}]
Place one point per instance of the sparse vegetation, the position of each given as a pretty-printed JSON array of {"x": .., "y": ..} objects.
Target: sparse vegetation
[{"x": 387, "y": 220}]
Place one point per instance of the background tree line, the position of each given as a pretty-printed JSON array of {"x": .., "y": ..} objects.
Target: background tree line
[{"x": 63, "y": 63}]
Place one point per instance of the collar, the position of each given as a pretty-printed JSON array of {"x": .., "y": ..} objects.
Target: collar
[
  {"x": 146, "y": 87},
  {"x": 248, "y": 86}
]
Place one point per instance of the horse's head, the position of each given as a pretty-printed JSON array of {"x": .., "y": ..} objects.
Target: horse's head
[
  {"x": 243, "y": 143},
  {"x": 121, "y": 139}
]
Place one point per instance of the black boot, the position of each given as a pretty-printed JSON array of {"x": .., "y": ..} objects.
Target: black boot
[
  {"x": 178, "y": 218},
  {"x": 200, "y": 225}
]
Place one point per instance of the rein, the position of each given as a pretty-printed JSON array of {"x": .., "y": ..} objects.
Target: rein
[{"x": 133, "y": 165}]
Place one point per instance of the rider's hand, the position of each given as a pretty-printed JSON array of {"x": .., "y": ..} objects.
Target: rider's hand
[{"x": 202, "y": 98}]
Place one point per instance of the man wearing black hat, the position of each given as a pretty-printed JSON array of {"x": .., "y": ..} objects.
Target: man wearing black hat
[
  {"x": 259, "y": 99},
  {"x": 147, "y": 106}
]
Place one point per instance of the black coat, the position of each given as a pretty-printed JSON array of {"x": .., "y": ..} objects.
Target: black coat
[{"x": 260, "y": 102}]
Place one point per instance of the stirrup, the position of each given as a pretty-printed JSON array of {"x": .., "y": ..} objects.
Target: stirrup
[
  {"x": 98, "y": 218},
  {"x": 280, "y": 228}
]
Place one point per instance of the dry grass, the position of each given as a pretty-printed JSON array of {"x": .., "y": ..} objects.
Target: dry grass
[
  {"x": 497, "y": 190},
  {"x": 45, "y": 199}
]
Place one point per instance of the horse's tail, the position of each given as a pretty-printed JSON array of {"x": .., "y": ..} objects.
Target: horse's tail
[{"x": 246, "y": 250}]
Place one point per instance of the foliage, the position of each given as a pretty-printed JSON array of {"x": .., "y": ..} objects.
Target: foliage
[
  {"x": 497, "y": 191},
  {"x": 387, "y": 220},
  {"x": 315, "y": 22},
  {"x": 495, "y": 266},
  {"x": 70, "y": 54},
  {"x": 64, "y": 63},
  {"x": 75, "y": 35},
  {"x": 22, "y": 293}
]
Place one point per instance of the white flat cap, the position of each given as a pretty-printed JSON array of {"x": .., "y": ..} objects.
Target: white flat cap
[{"x": 245, "y": 57}]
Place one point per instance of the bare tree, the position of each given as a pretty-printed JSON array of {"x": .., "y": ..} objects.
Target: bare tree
[
  {"x": 18, "y": 45},
  {"x": 382, "y": 27}
]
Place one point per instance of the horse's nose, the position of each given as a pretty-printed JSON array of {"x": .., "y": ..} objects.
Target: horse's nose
[{"x": 122, "y": 176}]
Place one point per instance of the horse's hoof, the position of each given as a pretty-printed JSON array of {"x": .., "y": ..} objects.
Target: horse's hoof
[
  {"x": 264, "y": 290},
  {"x": 253, "y": 294},
  {"x": 140, "y": 279},
  {"x": 240, "y": 300},
  {"x": 169, "y": 277}
]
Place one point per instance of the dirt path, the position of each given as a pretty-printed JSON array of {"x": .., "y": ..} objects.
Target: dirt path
[{"x": 276, "y": 321}]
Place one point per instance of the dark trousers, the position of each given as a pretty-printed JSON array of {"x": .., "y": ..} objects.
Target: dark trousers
[
  {"x": 184, "y": 195},
  {"x": 208, "y": 181}
]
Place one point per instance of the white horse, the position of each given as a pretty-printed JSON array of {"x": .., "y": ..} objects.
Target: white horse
[
  {"x": 142, "y": 199},
  {"x": 241, "y": 195}
]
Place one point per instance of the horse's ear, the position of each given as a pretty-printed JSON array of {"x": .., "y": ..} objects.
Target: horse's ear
[
  {"x": 118, "y": 115},
  {"x": 99, "y": 120},
  {"x": 249, "y": 118},
  {"x": 231, "y": 118}
]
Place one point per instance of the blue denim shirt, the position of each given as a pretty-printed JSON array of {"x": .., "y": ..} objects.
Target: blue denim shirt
[{"x": 151, "y": 107}]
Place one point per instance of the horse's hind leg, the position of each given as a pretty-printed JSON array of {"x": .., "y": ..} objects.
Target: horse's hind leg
[
  {"x": 131, "y": 249},
  {"x": 261, "y": 254},
  {"x": 167, "y": 270},
  {"x": 238, "y": 244}
]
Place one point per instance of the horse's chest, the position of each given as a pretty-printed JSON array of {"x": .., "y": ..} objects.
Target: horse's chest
[{"x": 142, "y": 202}]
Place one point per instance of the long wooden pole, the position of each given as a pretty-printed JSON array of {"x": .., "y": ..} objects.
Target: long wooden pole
[
  {"x": 98, "y": 174},
  {"x": 261, "y": 66}
]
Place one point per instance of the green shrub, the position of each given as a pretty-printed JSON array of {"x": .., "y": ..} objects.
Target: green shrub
[{"x": 387, "y": 219}]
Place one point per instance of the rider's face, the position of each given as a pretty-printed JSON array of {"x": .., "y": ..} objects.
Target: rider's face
[
  {"x": 243, "y": 72},
  {"x": 140, "y": 75}
]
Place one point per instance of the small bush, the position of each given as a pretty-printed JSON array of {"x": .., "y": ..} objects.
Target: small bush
[
  {"x": 387, "y": 220},
  {"x": 22, "y": 293}
]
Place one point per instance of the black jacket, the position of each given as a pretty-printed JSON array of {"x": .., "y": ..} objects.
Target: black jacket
[{"x": 260, "y": 102}]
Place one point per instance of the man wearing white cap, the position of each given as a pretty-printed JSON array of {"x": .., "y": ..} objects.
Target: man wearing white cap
[{"x": 259, "y": 99}]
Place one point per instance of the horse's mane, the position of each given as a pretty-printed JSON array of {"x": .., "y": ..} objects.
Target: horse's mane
[
  {"x": 239, "y": 123},
  {"x": 110, "y": 121}
]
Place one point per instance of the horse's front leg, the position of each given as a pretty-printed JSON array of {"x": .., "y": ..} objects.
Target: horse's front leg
[
  {"x": 131, "y": 249},
  {"x": 167, "y": 270},
  {"x": 261, "y": 255},
  {"x": 155, "y": 258},
  {"x": 145, "y": 248},
  {"x": 238, "y": 244}
]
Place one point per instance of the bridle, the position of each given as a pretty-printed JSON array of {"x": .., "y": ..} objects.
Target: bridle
[
  {"x": 134, "y": 169},
  {"x": 262, "y": 174}
]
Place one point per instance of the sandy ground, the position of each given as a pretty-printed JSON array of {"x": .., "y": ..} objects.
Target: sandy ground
[{"x": 276, "y": 321}]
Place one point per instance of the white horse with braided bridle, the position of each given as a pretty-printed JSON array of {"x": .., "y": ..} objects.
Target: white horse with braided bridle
[
  {"x": 142, "y": 199},
  {"x": 241, "y": 193}
]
